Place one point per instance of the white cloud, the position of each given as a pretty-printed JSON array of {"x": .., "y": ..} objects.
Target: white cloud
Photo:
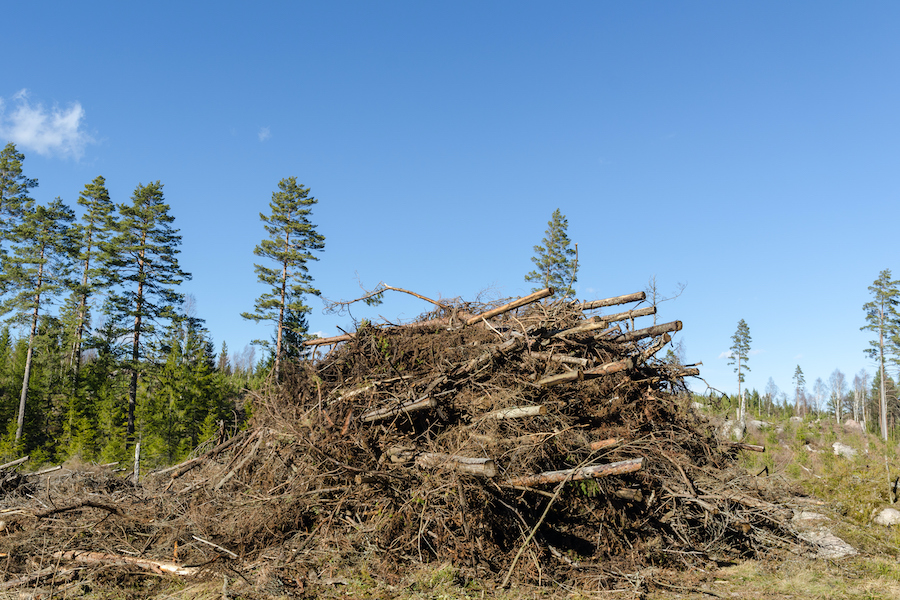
[
  {"x": 264, "y": 134},
  {"x": 48, "y": 132},
  {"x": 726, "y": 354}
]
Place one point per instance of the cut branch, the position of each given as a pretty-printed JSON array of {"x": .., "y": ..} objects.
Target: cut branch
[
  {"x": 639, "y": 334},
  {"x": 378, "y": 414},
  {"x": 483, "y": 467},
  {"x": 511, "y": 305},
  {"x": 593, "y": 472},
  {"x": 517, "y": 412},
  {"x": 100, "y": 558}
]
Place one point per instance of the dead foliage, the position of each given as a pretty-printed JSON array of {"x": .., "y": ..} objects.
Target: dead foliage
[{"x": 477, "y": 445}]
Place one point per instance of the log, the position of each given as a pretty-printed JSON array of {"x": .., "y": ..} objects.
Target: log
[
  {"x": 609, "y": 368},
  {"x": 511, "y": 305},
  {"x": 629, "y": 314},
  {"x": 594, "y": 324},
  {"x": 517, "y": 412},
  {"x": 561, "y": 378},
  {"x": 378, "y": 414},
  {"x": 593, "y": 472},
  {"x": 101, "y": 558},
  {"x": 329, "y": 340},
  {"x": 639, "y": 334},
  {"x": 636, "y": 297},
  {"x": 655, "y": 347},
  {"x": 561, "y": 358},
  {"x": 483, "y": 467},
  {"x": 14, "y": 463}
]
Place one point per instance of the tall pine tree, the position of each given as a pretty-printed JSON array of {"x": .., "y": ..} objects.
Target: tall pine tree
[
  {"x": 290, "y": 246},
  {"x": 145, "y": 264},
  {"x": 882, "y": 319},
  {"x": 14, "y": 189},
  {"x": 36, "y": 271}
]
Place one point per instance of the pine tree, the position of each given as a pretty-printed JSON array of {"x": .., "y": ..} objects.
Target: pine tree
[
  {"x": 556, "y": 262},
  {"x": 740, "y": 352},
  {"x": 799, "y": 397},
  {"x": 290, "y": 245},
  {"x": 882, "y": 318},
  {"x": 36, "y": 271},
  {"x": 97, "y": 226},
  {"x": 14, "y": 189},
  {"x": 145, "y": 263}
]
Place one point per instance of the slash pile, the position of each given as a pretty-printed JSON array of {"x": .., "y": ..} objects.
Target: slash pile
[{"x": 527, "y": 442}]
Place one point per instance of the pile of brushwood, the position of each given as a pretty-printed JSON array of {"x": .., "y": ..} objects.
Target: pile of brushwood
[{"x": 529, "y": 442}]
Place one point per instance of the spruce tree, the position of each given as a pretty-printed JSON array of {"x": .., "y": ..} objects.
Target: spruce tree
[
  {"x": 556, "y": 261},
  {"x": 290, "y": 246},
  {"x": 799, "y": 397},
  {"x": 37, "y": 271},
  {"x": 882, "y": 318},
  {"x": 145, "y": 264}
]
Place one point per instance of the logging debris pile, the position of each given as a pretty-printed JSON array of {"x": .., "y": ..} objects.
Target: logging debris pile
[{"x": 530, "y": 442}]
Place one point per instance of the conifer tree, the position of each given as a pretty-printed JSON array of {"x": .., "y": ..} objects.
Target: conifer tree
[
  {"x": 740, "y": 353},
  {"x": 36, "y": 271},
  {"x": 97, "y": 226},
  {"x": 882, "y": 318},
  {"x": 14, "y": 189},
  {"x": 145, "y": 264},
  {"x": 290, "y": 246},
  {"x": 556, "y": 261},
  {"x": 799, "y": 398}
]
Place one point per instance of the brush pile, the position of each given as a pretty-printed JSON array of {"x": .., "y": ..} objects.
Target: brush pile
[{"x": 528, "y": 442}]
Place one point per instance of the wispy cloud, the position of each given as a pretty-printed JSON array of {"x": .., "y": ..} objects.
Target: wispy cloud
[
  {"x": 55, "y": 131},
  {"x": 264, "y": 134},
  {"x": 726, "y": 354}
]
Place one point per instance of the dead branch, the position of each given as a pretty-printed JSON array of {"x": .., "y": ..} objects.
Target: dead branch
[{"x": 593, "y": 472}]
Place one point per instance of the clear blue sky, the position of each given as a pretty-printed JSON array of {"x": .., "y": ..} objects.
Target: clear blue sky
[{"x": 747, "y": 149}]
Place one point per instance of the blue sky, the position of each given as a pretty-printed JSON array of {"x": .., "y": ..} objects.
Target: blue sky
[{"x": 746, "y": 149}]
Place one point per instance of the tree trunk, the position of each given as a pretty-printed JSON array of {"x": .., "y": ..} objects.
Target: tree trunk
[{"x": 20, "y": 423}]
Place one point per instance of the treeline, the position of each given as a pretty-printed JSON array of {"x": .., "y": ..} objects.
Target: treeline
[{"x": 100, "y": 349}]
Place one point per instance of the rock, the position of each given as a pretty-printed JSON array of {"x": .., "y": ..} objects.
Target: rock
[
  {"x": 796, "y": 419},
  {"x": 887, "y": 516},
  {"x": 843, "y": 450},
  {"x": 758, "y": 425},
  {"x": 827, "y": 544},
  {"x": 806, "y": 517},
  {"x": 732, "y": 430},
  {"x": 851, "y": 426},
  {"x": 698, "y": 406}
]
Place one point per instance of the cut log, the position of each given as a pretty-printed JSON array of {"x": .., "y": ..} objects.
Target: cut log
[
  {"x": 636, "y": 297},
  {"x": 593, "y": 472},
  {"x": 750, "y": 447},
  {"x": 629, "y": 314},
  {"x": 378, "y": 414},
  {"x": 592, "y": 325},
  {"x": 511, "y": 305},
  {"x": 561, "y": 378},
  {"x": 517, "y": 412},
  {"x": 639, "y": 334},
  {"x": 609, "y": 368},
  {"x": 483, "y": 467}
]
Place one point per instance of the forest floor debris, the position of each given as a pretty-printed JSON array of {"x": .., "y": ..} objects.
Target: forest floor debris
[{"x": 529, "y": 443}]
